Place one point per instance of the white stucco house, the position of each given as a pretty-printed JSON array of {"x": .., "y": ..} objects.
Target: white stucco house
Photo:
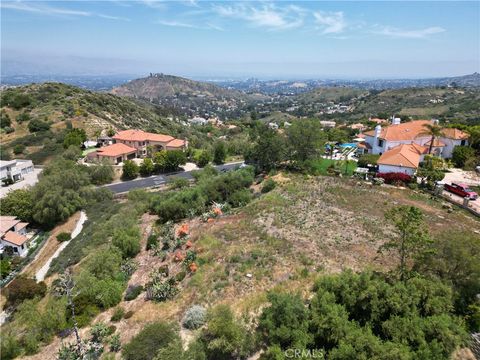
[
  {"x": 402, "y": 146},
  {"x": 15, "y": 169},
  {"x": 13, "y": 233}
]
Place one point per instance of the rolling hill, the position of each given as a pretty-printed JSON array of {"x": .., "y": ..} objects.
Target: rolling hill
[
  {"x": 186, "y": 96},
  {"x": 63, "y": 106}
]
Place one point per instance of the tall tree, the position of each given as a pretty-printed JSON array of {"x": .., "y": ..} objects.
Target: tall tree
[
  {"x": 412, "y": 239},
  {"x": 432, "y": 130},
  {"x": 268, "y": 149},
  {"x": 305, "y": 139}
]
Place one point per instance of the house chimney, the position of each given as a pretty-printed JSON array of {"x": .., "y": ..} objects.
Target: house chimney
[
  {"x": 435, "y": 121},
  {"x": 396, "y": 120},
  {"x": 378, "y": 130}
]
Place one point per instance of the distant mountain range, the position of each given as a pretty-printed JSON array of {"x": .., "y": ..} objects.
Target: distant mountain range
[{"x": 168, "y": 85}]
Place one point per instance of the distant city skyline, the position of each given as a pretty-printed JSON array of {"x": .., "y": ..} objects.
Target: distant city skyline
[{"x": 265, "y": 39}]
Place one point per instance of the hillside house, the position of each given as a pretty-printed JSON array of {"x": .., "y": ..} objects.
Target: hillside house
[
  {"x": 390, "y": 142},
  {"x": 129, "y": 144},
  {"x": 13, "y": 233},
  {"x": 15, "y": 169}
]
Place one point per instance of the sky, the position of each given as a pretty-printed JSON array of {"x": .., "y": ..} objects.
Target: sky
[{"x": 265, "y": 39}]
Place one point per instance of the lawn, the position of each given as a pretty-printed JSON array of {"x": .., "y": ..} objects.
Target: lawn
[
  {"x": 321, "y": 166},
  {"x": 88, "y": 151}
]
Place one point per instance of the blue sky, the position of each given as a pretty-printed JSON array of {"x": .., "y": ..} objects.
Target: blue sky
[{"x": 264, "y": 38}]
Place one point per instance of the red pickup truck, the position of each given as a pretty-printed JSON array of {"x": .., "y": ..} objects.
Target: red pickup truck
[{"x": 461, "y": 190}]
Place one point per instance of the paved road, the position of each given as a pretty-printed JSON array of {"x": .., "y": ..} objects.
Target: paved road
[{"x": 158, "y": 180}]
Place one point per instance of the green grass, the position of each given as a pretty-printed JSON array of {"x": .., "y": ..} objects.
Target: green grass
[
  {"x": 321, "y": 166},
  {"x": 88, "y": 151}
]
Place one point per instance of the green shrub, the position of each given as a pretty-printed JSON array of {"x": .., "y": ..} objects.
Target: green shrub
[
  {"x": 461, "y": 154},
  {"x": 149, "y": 341},
  {"x": 115, "y": 344},
  {"x": 176, "y": 183},
  {"x": 366, "y": 159},
  {"x": 130, "y": 170},
  {"x": 240, "y": 198},
  {"x": 268, "y": 185},
  {"x": 19, "y": 149},
  {"x": 117, "y": 314},
  {"x": 152, "y": 241},
  {"x": 9, "y": 346},
  {"x": 127, "y": 240},
  {"x": 22, "y": 117},
  {"x": 37, "y": 125},
  {"x": 64, "y": 236},
  {"x": 23, "y": 288},
  {"x": 132, "y": 292},
  {"x": 203, "y": 158},
  {"x": 194, "y": 317}
]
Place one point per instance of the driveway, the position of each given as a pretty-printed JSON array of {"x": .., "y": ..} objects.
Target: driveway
[
  {"x": 30, "y": 179},
  {"x": 474, "y": 204},
  {"x": 159, "y": 180},
  {"x": 462, "y": 176}
]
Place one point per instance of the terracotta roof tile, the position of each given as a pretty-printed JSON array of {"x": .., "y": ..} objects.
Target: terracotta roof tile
[
  {"x": 176, "y": 143},
  {"x": 406, "y": 155},
  {"x": 404, "y": 131},
  {"x": 7, "y": 222},
  {"x": 14, "y": 238},
  {"x": 455, "y": 134},
  {"x": 115, "y": 150},
  {"x": 140, "y": 135}
]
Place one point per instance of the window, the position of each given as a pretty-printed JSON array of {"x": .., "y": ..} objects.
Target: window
[
  {"x": 463, "y": 143},
  {"x": 380, "y": 142}
]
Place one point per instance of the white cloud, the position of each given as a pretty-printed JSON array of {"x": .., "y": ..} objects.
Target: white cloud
[
  {"x": 21, "y": 6},
  {"x": 411, "y": 34},
  {"x": 48, "y": 10},
  {"x": 189, "y": 25},
  {"x": 330, "y": 22},
  {"x": 268, "y": 16}
]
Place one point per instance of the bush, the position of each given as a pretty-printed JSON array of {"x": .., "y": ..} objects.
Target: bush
[
  {"x": 393, "y": 178},
  {"x": 5, "y": 120},
  {"x": 117, "y": 314},
  {"x": 461, "y": 154},
  {"x": 130, "y": 170},
  {"x": 64, "y": 236},
  {"x": 127, "y": 240},
  {"x": 367, "y": 159},
  {"x": 115, "y": 344},
  {"x": 23, "y": 288},
  {"x": 19, "y": 149},
  {"x": 240, "y": 198},
  {"x": 146, "y": 167},
  {"x": 203, "y": 158},
  {"x": 132, "y": 292},
  {"x": 176, "y": 183},
  {"x": 152, "y": 241},
  {"x": 23, "y": 117},
  {"x": 268, "y": 186},
  {"x": 219, "y": 153},
  {"x": 149, "y": 341},
  {"x": 101, "y": 173},
  {"x": 37, "y": 125},
  {"x": 195, "y": 317}
]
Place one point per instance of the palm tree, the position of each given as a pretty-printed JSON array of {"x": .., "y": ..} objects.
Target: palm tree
[{"x": 432, "y": 130}]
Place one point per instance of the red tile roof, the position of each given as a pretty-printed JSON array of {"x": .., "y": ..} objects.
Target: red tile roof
[
  {"x": 176, "y": 143},
  {"x": 406, "y": 155},
  {"x": 405, "y": 131},
  {"x": 455, "y": 134},
  {"x": 115, "y": 150},
  {"x": 14, "y": 238},
  {"x": 436, "y": 143},
  {"x": 7, "y": 222},
  {"x": 140, "y": 135}
]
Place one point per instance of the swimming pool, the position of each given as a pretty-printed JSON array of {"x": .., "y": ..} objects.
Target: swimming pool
[{"x": 348, "y": 145}]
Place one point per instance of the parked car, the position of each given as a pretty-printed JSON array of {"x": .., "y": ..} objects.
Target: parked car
[{"x": 462, "y": 190}]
